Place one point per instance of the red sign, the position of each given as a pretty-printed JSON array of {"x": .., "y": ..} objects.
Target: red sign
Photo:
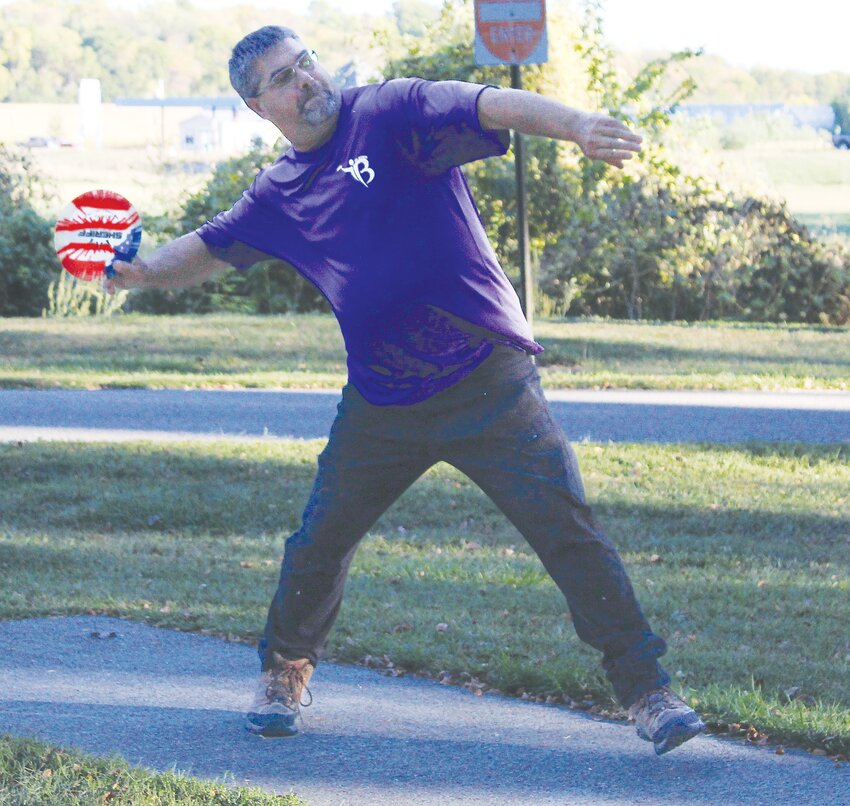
[{"x": 510, "y": 31}]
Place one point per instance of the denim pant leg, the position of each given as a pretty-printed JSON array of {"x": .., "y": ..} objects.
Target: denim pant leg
[
  {"x": 519, "y": 457},
  {"x": 368, "y": 463}
]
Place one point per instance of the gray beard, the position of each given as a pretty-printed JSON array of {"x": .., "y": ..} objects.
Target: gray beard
[{"x": 317, "y": 113}]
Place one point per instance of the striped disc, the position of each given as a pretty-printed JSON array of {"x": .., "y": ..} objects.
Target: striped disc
[{"x": 95, "y": 229}]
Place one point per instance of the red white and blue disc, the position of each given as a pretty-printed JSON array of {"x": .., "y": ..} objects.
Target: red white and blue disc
[{"x": 95, "y": 229}]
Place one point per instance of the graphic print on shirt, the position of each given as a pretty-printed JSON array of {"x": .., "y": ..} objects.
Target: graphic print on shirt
[{"x": 360, "y": 170}]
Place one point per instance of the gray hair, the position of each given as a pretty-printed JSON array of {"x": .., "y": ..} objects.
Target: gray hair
[{"x": 246, "y": 52}]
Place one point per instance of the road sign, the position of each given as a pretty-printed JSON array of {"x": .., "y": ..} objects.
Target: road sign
[{"x": 510, "y": 32}]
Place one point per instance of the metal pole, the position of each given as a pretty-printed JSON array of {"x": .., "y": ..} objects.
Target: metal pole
[{"x": 525, "y": 272}]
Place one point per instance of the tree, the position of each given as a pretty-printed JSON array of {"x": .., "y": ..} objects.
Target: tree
[{"x": 412, "y": 17}]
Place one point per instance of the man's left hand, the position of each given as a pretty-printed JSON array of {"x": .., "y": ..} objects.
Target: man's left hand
[{"x": 604, "y": 138}]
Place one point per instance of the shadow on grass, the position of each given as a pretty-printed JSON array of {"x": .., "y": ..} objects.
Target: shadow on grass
[{"x": 190, "y": 491}]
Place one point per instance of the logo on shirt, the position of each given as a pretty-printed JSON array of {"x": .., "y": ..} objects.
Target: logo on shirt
[{"x": 360, "y": 170}]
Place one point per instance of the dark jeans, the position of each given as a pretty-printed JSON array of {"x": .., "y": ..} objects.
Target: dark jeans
[{"x": 495, "y": 427}]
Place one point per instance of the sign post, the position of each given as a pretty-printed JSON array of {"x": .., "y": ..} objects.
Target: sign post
[{"x": 513, "y": 32}]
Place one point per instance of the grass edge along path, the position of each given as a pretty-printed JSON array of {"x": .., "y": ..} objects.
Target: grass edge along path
[
  {"x": 33, "y": 773},
  {"x": 229, "y": 351}
]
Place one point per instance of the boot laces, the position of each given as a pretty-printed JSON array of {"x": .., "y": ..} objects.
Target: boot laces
[
  {"x": 657, "y": 701},
  {"x": 285, "y": 682}
]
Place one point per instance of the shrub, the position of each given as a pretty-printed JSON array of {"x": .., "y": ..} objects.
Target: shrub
[
  {"x": 68, "y": 297},
  {"x": 271, "y": 286},
  {"x": 682, "y": 250},
  {"x": 27, "y": 260}
]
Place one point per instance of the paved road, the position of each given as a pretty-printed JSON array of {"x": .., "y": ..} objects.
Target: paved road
[
  {"x": 165, "y": 699},
  {"x": 817, "y": 417}
]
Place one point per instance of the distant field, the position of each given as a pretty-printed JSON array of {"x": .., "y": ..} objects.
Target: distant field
[
  {"x": 814, "y": 182},
  {"x": 811, "y": 176},
  {"x": 306, "y": 351},
  {"x": 153, "y": 180}
]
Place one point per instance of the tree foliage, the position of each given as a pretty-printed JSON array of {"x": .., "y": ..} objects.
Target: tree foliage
[
  {"x": 271, "y": 286},
  {"x": 27, "y": 261},
  {"x": 651, "y": 241},
  {"x": 48, "y": 46}
]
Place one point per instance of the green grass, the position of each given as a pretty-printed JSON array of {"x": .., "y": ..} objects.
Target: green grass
[
  {"x": 306, "y": 351},
  {"x": 35, "y": 774},
  {"x": 808, "y": 174},
  {"x": 740, "y": 556},
  {"x": 810, "y": 164}
]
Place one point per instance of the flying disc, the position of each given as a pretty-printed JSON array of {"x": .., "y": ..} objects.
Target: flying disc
[{"x": 94, "y": 230}]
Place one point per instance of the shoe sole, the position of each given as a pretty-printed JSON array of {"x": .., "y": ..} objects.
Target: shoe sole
[
  {"x": 673, "y": 736},
  {"x": 271, "y": 729}
]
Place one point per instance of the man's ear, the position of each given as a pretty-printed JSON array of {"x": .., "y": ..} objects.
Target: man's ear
[{"x": 256, "y": 105}]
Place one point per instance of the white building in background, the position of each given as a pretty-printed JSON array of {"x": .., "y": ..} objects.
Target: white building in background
[
  {"x": 221, "y": 125},
  {"x": 226, "y": 131},
  {"x": 224, "y": 124}
]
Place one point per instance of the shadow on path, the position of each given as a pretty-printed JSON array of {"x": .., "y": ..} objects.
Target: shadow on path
[{"x": 173, "y": 700}]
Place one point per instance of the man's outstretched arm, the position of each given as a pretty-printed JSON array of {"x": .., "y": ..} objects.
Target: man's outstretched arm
[
  {"x": 599, "y": 136},
  {"x": 183, "y": 262}
]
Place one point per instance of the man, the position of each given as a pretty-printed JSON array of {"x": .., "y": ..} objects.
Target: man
[{"x": 370, "y": 205}]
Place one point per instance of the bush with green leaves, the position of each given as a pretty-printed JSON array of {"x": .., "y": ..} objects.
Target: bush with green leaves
[
  {"x": 650, "y": 242},
  {"x": 271, "y": 286},
  {"x": 27, "y": 260},
  {"x": 684, "y": 250},
  {"x": 658, "y": 243}
]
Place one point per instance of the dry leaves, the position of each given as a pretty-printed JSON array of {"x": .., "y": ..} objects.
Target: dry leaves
[
  {"x": 465, "y": 680},
  {"x": 756, "y": 736},
  {"x": 383, "y": 664}
]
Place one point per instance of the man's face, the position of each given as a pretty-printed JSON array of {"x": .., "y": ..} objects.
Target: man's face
[{"x": 295, "y": 92}]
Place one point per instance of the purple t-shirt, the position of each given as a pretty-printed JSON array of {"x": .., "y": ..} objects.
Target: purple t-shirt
[{"x": 381, "y": 220}]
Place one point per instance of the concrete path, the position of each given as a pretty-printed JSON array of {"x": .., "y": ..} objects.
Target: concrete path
[
  {"x": 167, "y": 700},
  {"x": 599, "y": 416}
]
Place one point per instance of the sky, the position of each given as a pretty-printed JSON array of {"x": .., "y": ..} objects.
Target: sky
[{"x": 806, "y": 35}]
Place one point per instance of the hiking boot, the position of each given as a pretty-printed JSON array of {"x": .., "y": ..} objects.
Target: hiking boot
[
  {"x": 278, "y": 701},
  {"x": 665, "y": 720}
]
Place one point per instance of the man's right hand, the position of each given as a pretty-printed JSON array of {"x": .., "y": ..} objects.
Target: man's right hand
[
  {"x": 127, "y": 275},
  {"x": 181, "y": 263}
]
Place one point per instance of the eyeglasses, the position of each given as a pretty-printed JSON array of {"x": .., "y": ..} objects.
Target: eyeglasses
[{"x": 285, "y": 75}]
